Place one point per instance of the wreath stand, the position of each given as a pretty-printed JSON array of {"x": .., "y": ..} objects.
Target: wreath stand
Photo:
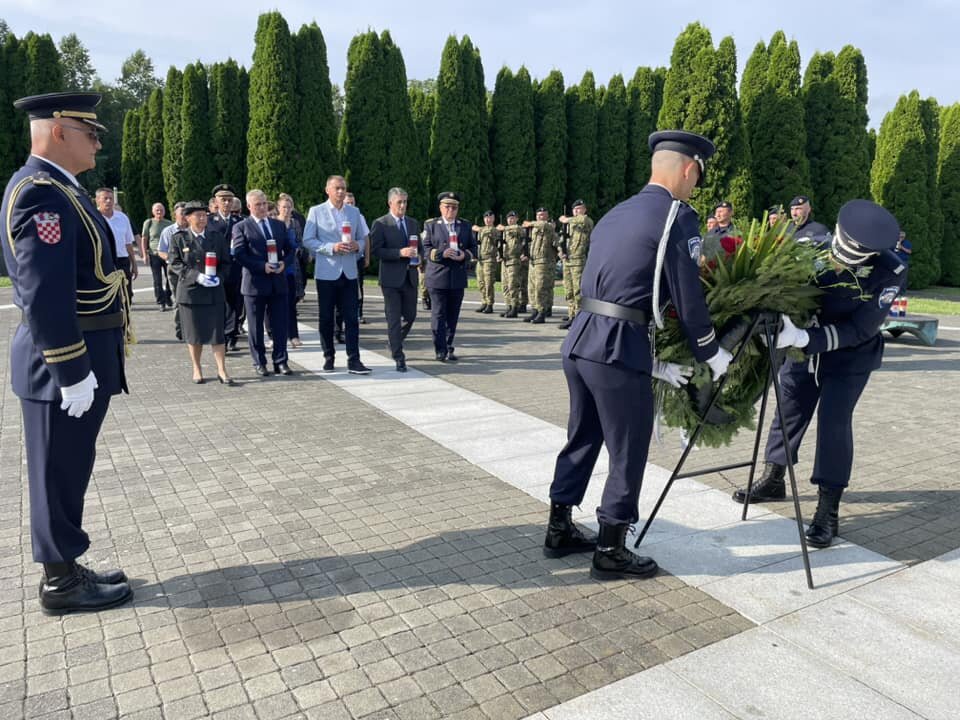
[{"x": 767, "y": 325}]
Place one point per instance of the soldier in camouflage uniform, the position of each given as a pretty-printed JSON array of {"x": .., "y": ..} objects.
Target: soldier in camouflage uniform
[
  {"x": 580, "y": 227},
  {"x": 544, "y": 246},
  {"x": 524, "y": 277},
  {"x": 512, "y": 248},
  {"x": 488, "y": 245}
]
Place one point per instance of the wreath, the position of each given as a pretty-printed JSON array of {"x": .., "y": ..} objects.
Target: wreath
[{"x": 765, "y": 271}]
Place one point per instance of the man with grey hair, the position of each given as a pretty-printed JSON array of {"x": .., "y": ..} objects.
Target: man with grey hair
[{"x": 395, "y": 240}]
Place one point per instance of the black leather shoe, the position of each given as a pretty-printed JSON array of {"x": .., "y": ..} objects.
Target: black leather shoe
[
  {"x": 613, "y": 561},
  {"x": 442, "y": 357},
  {"x": 282, "y": 369},
  {"x": 261, "y": 371},
  {"x": 451, "y": 357},
  {"x": 328, "y": 365},
  {"x": 107, "y": 577},
  {"x": 355, "y": 367},
  {"x": 563, "y": 536},
  {"x": 769, "y": 487},
  {"x": 228, "y": 381},
  {"x": 232, "y": 344},
  {"x": 80, "y": 593},
  {"x": 401, "y": 365}
]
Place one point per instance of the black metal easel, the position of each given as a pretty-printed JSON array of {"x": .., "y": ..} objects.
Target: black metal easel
[{"x": 767, "y": 325}]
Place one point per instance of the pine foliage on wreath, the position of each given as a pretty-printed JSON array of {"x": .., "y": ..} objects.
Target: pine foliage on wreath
[{"x": 765, "y": 271}]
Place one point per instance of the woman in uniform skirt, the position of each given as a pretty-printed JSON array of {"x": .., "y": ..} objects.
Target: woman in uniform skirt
[{"x": 201, "y": 259}]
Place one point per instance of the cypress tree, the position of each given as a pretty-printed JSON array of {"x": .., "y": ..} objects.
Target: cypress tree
[
  {"x": 172, "y": 142},
  {"x": 228, "y": 136},
  {"x": 44, "y": 73},
  {"x": 821, "y": 98},
  {"x": 899, "y": 182},
  {"x": 551, "y": 138},
  {"x": 948, "y": 178},
  {"x": 245, "y": 124},
  {"x": 612, "y": 145},
  {"x": 582, "y": 142},
  {"x": 680, "y": 87},
  {"x": 513, "y": 142},
  {"x": 850, "y": 71},
  {"x": 730, "y": 175},
  {"x": 152, "y": 124},
  {"x": 402, "y": 162},
  {"x": 754, "y": 92},
  {"x": 644, "y": 98},
  {"x": 10, "y": 125},
  {"x": 131, "y": 167},
  {"x": 316, "y": 151},
  {"x": 197, "y": 173},
  {"x": 421, "y": 108},
  {"x": 273, "y": 113},
  {"x": 930, "y": 117}
]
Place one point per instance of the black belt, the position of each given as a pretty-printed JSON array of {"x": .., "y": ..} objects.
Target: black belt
[
  {"x": 91, "y": 323},
  {"x": 613, "y": 310}
]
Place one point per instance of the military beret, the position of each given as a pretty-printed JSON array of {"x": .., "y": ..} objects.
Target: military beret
[
  {"x": 687, "y": 143},
  {"x": 223, "y": 190},
  {"x": 512, "y": 213},
  {"x": 76, "y": 105},
  {"x": 864, "y": 229},
  {"x": 723, "y": 204},
  {"x": 799, "y": 200},
  {"x": 448, "y": 198},
  {"x": 542, "y": 209},
  {"x": 774, "y": 210},
  {"x": 194, "y": 206},
  {"x": 489, "y": 213},
  {"x": 578, "y": 203}
]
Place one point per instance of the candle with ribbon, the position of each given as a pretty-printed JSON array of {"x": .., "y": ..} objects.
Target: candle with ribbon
[
  {"x": 454, "y": 241},
  {"x": 346, "y": 232},
  {"x": 272, "y": 251},
  {"x": 415, "y": 244},
  {"x": 210, "y": 264}
]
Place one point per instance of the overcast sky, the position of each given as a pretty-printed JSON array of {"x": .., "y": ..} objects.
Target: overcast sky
[{"x": 906, "y": 45}]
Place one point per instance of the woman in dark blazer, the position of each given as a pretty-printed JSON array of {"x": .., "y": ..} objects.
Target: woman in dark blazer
[{"x": 201, "y": 298}]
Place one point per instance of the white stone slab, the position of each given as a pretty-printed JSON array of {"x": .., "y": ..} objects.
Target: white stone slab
[
  {"x": 774, "y": 590},
  {"x": 882, "y": 652},
  {"x": 756, "y": 674},
  {"x": 945, "y": 567},
  {"x": 524, "y": 472},
  {"x": 655, "y": 694}
]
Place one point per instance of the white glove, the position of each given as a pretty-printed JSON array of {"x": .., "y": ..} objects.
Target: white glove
[
  {"x": 791, "y": 335},
  {"x": 208, "y": 281},
  {"x": 78, "y": 398},
  {"x": 719, "y": 363},
  {"x": 672, "y": 373}
]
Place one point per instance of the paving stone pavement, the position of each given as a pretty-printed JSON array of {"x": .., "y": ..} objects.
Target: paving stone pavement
[
  {"x": 904, "y": 496},
  {"x": 296, "y": 553}
]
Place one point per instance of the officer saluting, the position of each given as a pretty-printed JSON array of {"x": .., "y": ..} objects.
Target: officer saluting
[
  {"x": 843, "y": 347},
  {"x": 607, "y": 356},
  {"x": 67, "y": 353}
]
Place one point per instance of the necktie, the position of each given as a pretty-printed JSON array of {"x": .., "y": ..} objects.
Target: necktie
[
  {"x": 266, "y": 229},
  {"x": 403, "y": 226}
]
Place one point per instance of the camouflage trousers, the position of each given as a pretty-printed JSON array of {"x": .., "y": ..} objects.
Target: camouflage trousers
[
  {"x": 541, "y": 286},
  {"x": 424, "y": 295},
  {"x": 486, "y": 280},
  {"x": 571, "y": 285},
  {"x": 511, "y": 284},
  {"x": 524, "y": 283}
]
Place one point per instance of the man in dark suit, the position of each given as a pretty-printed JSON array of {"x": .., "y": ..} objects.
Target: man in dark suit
[
  {"x": 449, "y": 246},
  {"x": 67, "y": 353},
  {"x": 222, "y": 221},
  {"x": 390, "y": 241},
  {"x": 264, "y": 284}
]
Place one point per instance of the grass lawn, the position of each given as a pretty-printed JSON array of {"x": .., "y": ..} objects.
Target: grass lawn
[{"x": 5, "y": 282}]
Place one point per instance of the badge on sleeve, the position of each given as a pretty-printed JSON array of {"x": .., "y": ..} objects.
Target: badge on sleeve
[
  {"x": 48, "y": 227},
  {"x": 888, "y": 295},
  {"x": 694, "y": 245}
]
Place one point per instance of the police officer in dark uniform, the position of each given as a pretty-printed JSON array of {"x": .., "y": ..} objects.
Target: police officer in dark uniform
[
  {"x": 447, "y": 271},
  {"x": 607, "y": 358},
  {"x": 222, "y": 221},
  {"x": 67, "y": 353},
  {"x": 803, "y": 225},
  {"x": 843, "y": 346}
]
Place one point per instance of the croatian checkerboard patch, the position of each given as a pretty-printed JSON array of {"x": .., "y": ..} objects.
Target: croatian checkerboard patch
[
  {"x": 694, "y": 245},
  {"x": 48, "y": 227}
]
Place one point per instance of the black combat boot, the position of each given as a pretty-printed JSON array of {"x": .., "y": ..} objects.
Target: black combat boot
[
  {"x": 532, "y": 316},
  {"x": 563, "y": 536},
  {"x": 769, "y": 487},
  {"x": 539, "y": 319},
  {"x": 67, "y": 589},
  {"x": 565, "y": 325},
  {"x": 613, "y": 561},
  {"x": 511, "y": 312},
  {"x": 488, "y": 309},
  {"x": 522, "y": 309},
  {"x": 825, "y": 525},
  {"x": 482, "y": 308}
]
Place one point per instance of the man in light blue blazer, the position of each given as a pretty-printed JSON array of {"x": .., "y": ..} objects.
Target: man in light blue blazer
[{"x": 337, "y": 262}]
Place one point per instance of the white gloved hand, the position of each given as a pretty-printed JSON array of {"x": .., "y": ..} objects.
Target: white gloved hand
[
  {"x": 672, "y": 373},
  {"x": 78, "y": 398},
  {"x": 791, "y": 335},
  {"x": 719, "y": 363},
  {"x": 208, "y": 281}
]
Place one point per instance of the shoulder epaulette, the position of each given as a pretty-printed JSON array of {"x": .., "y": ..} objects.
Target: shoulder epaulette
[{"x": 41, "y": 178}]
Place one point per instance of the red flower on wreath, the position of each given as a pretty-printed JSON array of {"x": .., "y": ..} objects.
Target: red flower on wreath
[{"x": 729, "y": 244}]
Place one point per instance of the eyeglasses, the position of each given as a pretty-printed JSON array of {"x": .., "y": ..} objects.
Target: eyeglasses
[{"x": 92, "y": 135}]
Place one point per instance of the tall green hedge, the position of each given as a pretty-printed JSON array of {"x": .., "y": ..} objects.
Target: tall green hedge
[
  {"x": 550, "y": 129},
  {"x": 948, "y": 177},
  {"x": 582, "y": 173},
  {"x": 316, "y": 151},
  {"x": 152, "y": 126},
  {"x": 513, "y": 142},
  {"x": 172, "y": 142},
  {"x": 644, "y": 98},
  {"x": 197, "y": 172}
]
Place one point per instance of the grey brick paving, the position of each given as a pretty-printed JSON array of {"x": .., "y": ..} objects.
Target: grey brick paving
[{"x": 296, "y": 553}]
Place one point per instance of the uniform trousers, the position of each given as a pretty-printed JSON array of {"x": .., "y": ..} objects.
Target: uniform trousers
[
  {"x": 611, "y": 404},
  {"x": 837, "y": 396},
  {"x": 444, "y": 315},
  {"x": 60, "y": 455}
]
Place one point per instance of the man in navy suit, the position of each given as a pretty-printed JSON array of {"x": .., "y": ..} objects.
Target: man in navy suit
[
  {"x": 67, "y": 353},
  {"x": 390, "y": 242},
  {"x": 449, "y": 246},
  {"x": 264, "y": 284}
]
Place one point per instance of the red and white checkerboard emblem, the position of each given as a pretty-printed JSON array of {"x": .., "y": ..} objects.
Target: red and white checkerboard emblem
[{"x": 48, "y": 227}]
